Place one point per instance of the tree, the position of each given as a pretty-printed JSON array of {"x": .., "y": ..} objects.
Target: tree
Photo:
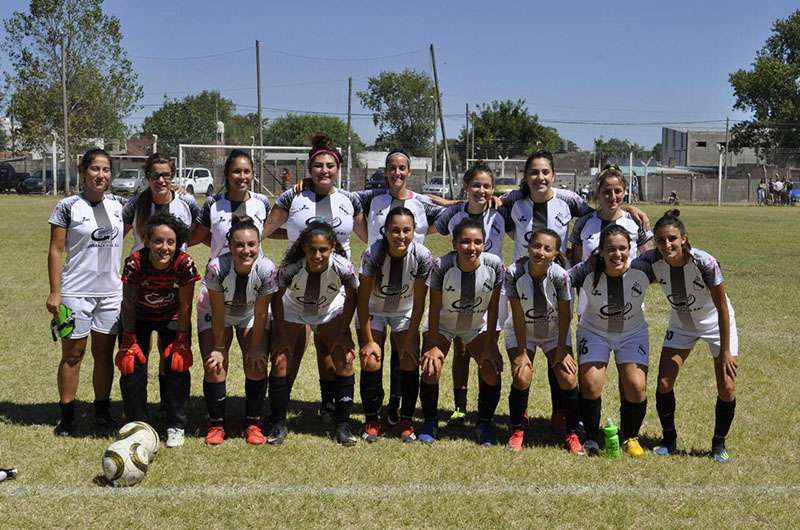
[
  {"x": 402, "y": 105},
  {"x": 771, "y": 91},
  {"x": 297, "y": 129},
  {"x": 655, "y": 152},
  {"x": 506, "y": 128},
  {"x": 102, "y": 87},
  {"x": 619, "y": 149}
]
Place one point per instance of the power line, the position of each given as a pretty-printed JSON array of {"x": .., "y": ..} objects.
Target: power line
[
  {"x": 346, "y": 59},
  {"x": 191, "y": 58}
]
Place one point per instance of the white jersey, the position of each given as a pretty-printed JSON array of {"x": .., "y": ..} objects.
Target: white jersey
[
  {"x": 586, "y": 233},
  {"x": 394, "y": 294},
  {"x": 376, "y": 204},
  {"x": 524, "y": 216},
  {"x": 183, "y": 206},
  {"x": 93, "y": 245},
  {"x": 240, "y": 291},
  {"x": 615, "y": 307},
  {"x": 493, "y": 224},
  {"x": 217, "y": 212},
  {"x": 465, "y": 295},
  {"x": 687, "y": 288},
  {"x": 319, "y": 295},
  {"x": 338, "y": 209},
  {"x": 539, "y": 298}
]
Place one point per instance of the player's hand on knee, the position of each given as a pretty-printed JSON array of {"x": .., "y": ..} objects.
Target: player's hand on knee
[
  {"x": 129, "y": 352},
  {"x": 179, "y": 353},
  {"x": 215, "y": 362},
  {"x": 432, "y": 361},
  {"x": 370, "y": 351},
  {"x": 565, "y": 361},
  {"x": 729, "y": 365},
  {"x": 491, "y": 361}
]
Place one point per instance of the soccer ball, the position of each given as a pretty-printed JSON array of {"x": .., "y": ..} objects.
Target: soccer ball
[
  {"x": 140, "y": 432},
  {"x": 125, "y": 463}
]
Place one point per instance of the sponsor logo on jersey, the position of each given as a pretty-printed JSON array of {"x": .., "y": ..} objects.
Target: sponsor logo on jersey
[
  {"x": 333, "y": 223},
  {"x": 531, "y": 314},
  {"x": 332, "y": 287},
  {"x": 388, "y": 290},
  {"x": 596, "y": 292},
  {"x": 495, "y": 228},
  {"x": 563, "y": 218},
  {"x": 615, "y": 312},
  {"x": 450, "y": 289},
  {"x": 636, "y": 288},
  {"x": 487, "y": 245},
  {"x": 487, "y": 286},
  {"x": 159, "y": 299},
  {"x": 104, "y": 233},
  {"x": 680, "y": 302},
  {"x": 312, "y": 301},
  {"x": 463, "y": 304},
  {"x": 344, "y": 210},
  {"x": 298, "y": 210}
]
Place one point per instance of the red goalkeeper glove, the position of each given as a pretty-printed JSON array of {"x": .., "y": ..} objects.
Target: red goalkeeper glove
[
  {"x": 129, "y": 353},
  {"x": 179, "y": 353}
]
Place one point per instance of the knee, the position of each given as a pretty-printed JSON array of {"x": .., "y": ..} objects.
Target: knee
[
  {"x": 565, "y": 379},
  {"x": 522, "y": 374},
  {"x": 591, "y": 388},
  {"x": 665, "y": 384},
  {"x": 280, "y": 364},
  {"x": 727, "y": 390},
  {"x": 73, "y": 358},
  {"x": 489, "y": 375},
  {"x": 344, "y": 364}
]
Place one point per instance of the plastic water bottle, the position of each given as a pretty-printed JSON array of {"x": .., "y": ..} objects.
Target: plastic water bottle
[
  {"x": 611, "y": 432},
  {"x": 7, "y": 473}
]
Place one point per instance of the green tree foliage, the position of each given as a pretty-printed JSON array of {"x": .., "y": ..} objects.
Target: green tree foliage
[
  {"x": 402, "y": 106},
  {"x": 617, "y": 148},
  {"x": 771, "y": 91},
  {"x": 297, "y": 129},
  {"x": 655, "y": 152},
  {"x": 102, "y": 87}
]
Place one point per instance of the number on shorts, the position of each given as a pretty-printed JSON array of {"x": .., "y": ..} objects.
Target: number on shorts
[{"x": 583, "y": 348}]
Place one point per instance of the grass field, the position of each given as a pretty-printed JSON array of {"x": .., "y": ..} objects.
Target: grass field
[{"x": 312, "y": 482}]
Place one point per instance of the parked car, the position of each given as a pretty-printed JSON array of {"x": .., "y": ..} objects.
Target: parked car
[
  {"x": 196, "y": 180},
  {"x": 128, "y": 182},
  {"x": 9, "y": 179},
  {"x": 376, "y": 182},
  {"x": 36, "y": 184},
  {"x": 437, "y": 185},
  {"x": 794, "y": 193},
  {"x": 503, "y": 185}
]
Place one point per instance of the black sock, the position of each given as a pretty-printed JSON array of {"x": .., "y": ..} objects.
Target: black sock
[
  {"x": 723, "y": 417},
  {"x": 278, "y": 398},
  {"x": 429, "y": 398},
  {"x": 409, "y": 380},
  {"x": 102, "y": 408},
  {"x": 215, "y": 401},
  {"x": 631, "y": 417},
  {"x": 569, "y": 398},
  {"x": 665, "y": 405},
  {"x": 590, "y": 414},
  {"x": 254, "y": 394},
  {"x": 517, "y": 403},
  {"x": 345, "y": 386},
  {"x": 395, "y": 392},
  {"x": 327, "y": 390},
  {"x": 67, "y": 413},
  {"x": 488, "y": 398},
  {"x": 369, "y": 394},
  {"x": 163, "y": 393},
  {"x": 555, "y": 390},
  {"x": 460, "y": 398}
]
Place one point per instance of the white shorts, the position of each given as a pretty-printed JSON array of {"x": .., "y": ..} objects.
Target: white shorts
[
  {"x": 94, "y": 313},
  {"x": 466, "y": 336},
  {"x": 243, "y": 322},
  {"x": 545, "y": 344},
  {"x": 631, "y": 348},
  {"x": 681, "y": 339},
  {"x": 396, "y": 322},
  {"x": 503, "y": 311},
  {"x": 311, "y": 320}
]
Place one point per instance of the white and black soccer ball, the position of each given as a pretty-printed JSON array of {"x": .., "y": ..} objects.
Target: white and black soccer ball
[
  {"x": 125, "y": 463},
  {"x": 142, "y": 433}
]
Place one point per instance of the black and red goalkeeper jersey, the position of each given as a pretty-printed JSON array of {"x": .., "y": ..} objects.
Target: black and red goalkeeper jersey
[{"x": 158, "y": 288}]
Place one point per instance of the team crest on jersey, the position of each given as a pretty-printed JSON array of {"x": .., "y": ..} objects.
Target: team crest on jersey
[
  {"x": 636, "y": 288},
  {"x": 159, "y": 299},
  {"x": 522, "y": 219},
  {"x": 298, "y": 210},
  {"x": 698, "y": 283},
  {"x": 463, "y": 304},
  {"x": 450, "y": 289},
  {"x": 610, "y": 312}
]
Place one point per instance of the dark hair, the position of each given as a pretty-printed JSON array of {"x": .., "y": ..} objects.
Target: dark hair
[
  {"x": 236, "y": 153},
  {"x": 672, "y": 218},
  {"x": 243, "y": 222},
  {"x": 176, "y": 225},
  {"x": 611, "y": 171},
  {"x": 397, "y": 151},
  {"x": 597, "y": 264},
  {"x": 560, "y": 259},
  {"x": 541, "y": 153},
  {"x": 144, "y": 201},
  {"x": 157, "y": 158},
  {"x": 89, "y": 156},
  {"x": 297, "y": 251},
  {"x": 478, "y": 167},
  {"x": 383, "y": 248},
  {"x": 465, "y": 224},
  {"x": 320, "y": 145}
]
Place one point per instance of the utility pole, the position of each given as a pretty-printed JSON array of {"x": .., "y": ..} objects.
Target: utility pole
[
  {"x": 434, "y": 136},
  {"x": 260, "y": 120},
  {"x": 349, "y": 131},
  {"x": 727, "y": 124},
  {"x": 466, "y": 140},
  {"x": 441, "y": 121},
  {"x": 64, "y": 106}
]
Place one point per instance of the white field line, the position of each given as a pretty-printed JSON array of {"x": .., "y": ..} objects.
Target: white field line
[{"x": 15, "y": 489}]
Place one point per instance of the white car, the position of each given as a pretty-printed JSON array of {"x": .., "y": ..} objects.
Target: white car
[
  {"x": 128, "y": 182},
  {"x": 437, "y": 185},
  {"x": 196, "y": 180}
]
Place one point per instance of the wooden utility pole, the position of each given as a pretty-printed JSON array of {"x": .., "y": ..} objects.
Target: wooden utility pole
[
  {"x": 433, "y": 161},
  {"x": 441, "y": 122},
  {"x": 260, "y": 119},
  {"x": 349, "y": 131}
]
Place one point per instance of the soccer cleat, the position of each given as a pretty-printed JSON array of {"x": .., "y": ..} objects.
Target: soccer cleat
[
  {"x": 516, "y": 440},
  {"x": 63, "y": 428},
  {"x": 720, "y": 454},
  {"x": 665, "y": 448},
  {"x": 429, "y": 432},
  {"x": 175, "y": 437},
  {"x": 590, "y": 448},
  {"x": 458, "y": 417},
  {"x": 407, "y": 433},
  {"x": 573, "y": 445},
  {"x": 277, "y": 434},
  {"x": 371, "y": 432},
  {"x": 215, "y": 435},
  {"x": 393, "y": 411},
  {"x": 485, "y": 433},
  {"x": 344, "y": 436},
  {"x": 253, "y": 435},
  {"x": 327, "y": 412},
  {"x": 105, "y": 421},
  {"x": 632, "y": 447},
  {"x": 558, "y": 424}
]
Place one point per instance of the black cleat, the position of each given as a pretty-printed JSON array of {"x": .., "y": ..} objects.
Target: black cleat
[
  {"x": 63, "y": 428},
  {"x": 277, "y": 434},
  {"x": 344, "y": 436}
]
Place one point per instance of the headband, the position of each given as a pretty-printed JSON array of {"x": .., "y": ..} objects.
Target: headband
[{"x": 325, "y": 151}]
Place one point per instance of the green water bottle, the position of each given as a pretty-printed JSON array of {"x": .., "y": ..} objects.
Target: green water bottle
[{"x": 611, "y": 432}]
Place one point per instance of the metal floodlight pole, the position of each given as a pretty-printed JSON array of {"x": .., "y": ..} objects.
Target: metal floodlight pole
[
  {"x": 719, "y": 176},
  {"x": 55, "y": 164}
]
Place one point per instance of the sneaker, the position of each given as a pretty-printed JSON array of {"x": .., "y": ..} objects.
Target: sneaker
[
  {"x": 720, "y": 454},
  {"x": 327, "y": 413},
  {"x": 573, "y": 445},
  {"x": 277, "y": 434},
  {"x": 458, "y": 417},
  {"x": 558, "y": 424},
  {"x": 590, "y": 448},
  {"x": 253, "y": 435},
  {"x": 429, "y": 432},
  {"x": 344, "y": 436},
  {"x": 516, "y": 440},
  {"x": 175, "y": 437},
  {"x": 407, "y": 433},
  {"x": 632, "y": 447},
  {"x": 371, "y": 431},
  {"x": 393, "y": 411},
  {"x": 485, "y": 434},
  {"x": 63, "y": 428},
  {"x": 215, "y": 435}
]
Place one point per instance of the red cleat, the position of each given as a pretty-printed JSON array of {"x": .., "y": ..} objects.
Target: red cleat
[
  {"x": 215, "y": 435},
  {"x": 254, "y": 436}
]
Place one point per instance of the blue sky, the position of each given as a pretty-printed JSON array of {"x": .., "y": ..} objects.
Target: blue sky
[{"x": 626, "y": 61}]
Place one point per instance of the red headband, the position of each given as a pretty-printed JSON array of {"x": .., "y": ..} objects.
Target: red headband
[{"x": 325, "y": 151}]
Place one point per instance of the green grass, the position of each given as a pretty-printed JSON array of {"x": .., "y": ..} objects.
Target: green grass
[{"x": 311, "y": 482}]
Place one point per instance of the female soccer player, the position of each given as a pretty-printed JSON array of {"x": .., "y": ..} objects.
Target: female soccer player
[
  {"x": 317, "y": 286},
  {"x": 236, "y": 294},
  {"x": 465, "y": 290},
  {"x": 692, "y": 282},
  {"x": 157, "y": 296},
  {"x": 539, "y": 291},
  {"x": 613, "y": 320},
  {"x": 392, "y": 293},
  {"x": 89, "y": 227}
]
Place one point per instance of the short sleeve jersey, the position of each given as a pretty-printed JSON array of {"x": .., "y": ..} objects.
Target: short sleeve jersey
[
  {"x": 586, "y": 232},
  {"x": 338, "y": 209},
  {"x": 615, "y": 307},
  {"x": 539, "y": 298},
  {"x": 183, "y": 206},
  {"x": 240, "y": 291},
  {"x": 394, "y": 295},
  {"x": 465, "y": 295},
  {"x": 376, "y": 204},
  {"x": 157, "y": 298},
  {"x": 493, "y": 223},
  {"x": 524, "y": 216},
  {"x": 319, "y": 295},
  {"x": 687, "y": 288},
  {"x": 93, "y": 245},
  {"x": 217, "y": 212}
]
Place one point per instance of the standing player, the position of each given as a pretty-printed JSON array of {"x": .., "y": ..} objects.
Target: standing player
[
  {"x": 612, "y": 320},
  {"x": 465, "y": 290},
  {"x": 392, "y": 293},
  {"x": 89, "y": 227},
  {"x": 317, "y": 286},
  {"x": 236, "y": 294},
  {"x": 157, "y": 296},
  {"x": 692, "y": 282}
]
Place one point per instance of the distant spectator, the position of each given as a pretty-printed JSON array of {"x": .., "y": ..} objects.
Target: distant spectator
[
  {"x": 286, "y": 178},
  {"x": 787, "y": 188},
  {"x": 673, "y": 198},
  {"x": 761, "y": 192}
]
